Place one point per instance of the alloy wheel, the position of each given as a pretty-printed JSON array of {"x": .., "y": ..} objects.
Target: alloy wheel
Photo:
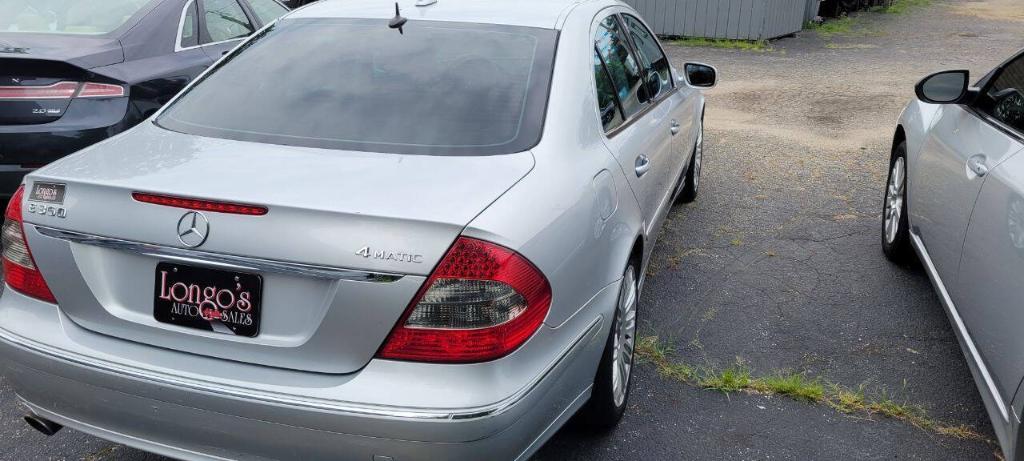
[
  {"x": 624, "y": 339},
  {"x": 894, "y": 196}
]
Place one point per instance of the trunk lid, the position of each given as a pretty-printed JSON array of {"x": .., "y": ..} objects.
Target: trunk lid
[
  {"x": 367, "y": 212},
  {"x": 51, "y": 63}
]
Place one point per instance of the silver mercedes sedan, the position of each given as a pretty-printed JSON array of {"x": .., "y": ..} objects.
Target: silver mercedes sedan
[
  {"x": 956, "y": 196},
  {"x": 371, "y": 232}
]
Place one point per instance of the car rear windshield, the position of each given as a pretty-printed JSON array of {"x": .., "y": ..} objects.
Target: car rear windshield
[
  {"x": 434, "y": 88},
  {"x": 75, "y": 17}
]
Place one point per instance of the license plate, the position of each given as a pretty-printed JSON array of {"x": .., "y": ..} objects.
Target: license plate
[{"x": 208, "y": 299}]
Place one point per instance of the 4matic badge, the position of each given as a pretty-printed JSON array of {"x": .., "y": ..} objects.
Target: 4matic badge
[{"x": 385, "y": 255}]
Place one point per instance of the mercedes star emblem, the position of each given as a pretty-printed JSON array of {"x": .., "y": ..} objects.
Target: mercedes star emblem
[{"x": 193, "y": 228}]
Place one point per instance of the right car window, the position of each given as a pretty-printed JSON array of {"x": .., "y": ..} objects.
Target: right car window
[
  {"x": 1005, "y": 96},
  {"x": 658, "y": 69},
  {"x": 225, "y": 20},
  {"x": 623, "y": 68}
]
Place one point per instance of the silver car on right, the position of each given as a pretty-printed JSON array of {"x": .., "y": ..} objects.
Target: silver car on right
[{"x": 955, "y": 196}]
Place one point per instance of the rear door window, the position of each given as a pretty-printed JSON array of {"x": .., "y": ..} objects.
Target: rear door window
[
  {"x": 623, "y": 67},
  {"x": 267, "y": 11},
  {"x": 607, "y": 101},
  {"x": 659, "y": 73},
  {"x": 441, "y": 88},
  {"x": 225, "y": 20}
]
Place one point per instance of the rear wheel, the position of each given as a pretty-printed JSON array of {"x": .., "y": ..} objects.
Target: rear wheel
[
  {"x": 895, "y": 223},
  {"x": 691, "y": 184},
  {"x": 614, "y": 375}
]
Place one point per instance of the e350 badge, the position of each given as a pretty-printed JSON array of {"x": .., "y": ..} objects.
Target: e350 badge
[{"x": 51, "y": 198}]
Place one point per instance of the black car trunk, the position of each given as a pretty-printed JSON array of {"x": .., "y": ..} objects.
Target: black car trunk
[{"x": 39, "y": 75}]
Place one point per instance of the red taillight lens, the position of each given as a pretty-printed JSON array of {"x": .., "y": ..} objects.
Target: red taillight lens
[
  {"x": 62, "y": 90},
  {"x": 101, "y": 90},
  {"x": 201, "y": 205},
  {"x": 481, "y": 303},
  {"x": 20, "y": 270}
]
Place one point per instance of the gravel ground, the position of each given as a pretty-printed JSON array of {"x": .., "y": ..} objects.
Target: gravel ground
[{"x": 778, "y": 262}]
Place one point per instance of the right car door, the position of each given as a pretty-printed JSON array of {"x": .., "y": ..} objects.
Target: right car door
[
  {"x": 990, "y": 291},
  {"x": 641, "y": 121}
]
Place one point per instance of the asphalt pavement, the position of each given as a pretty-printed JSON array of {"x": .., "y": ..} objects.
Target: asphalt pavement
[{"x": 778, "y": 264}]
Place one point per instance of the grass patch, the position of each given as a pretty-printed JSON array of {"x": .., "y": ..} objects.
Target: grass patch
[
  {"x": 901, "y": 6},
  {"x": 832, "y": 27},
  {"x": 800, "y": 387},
  {"x": 794, "y": 385},
  {"x": 743, "y": 45},
  {"x": 733, "y": 379}
]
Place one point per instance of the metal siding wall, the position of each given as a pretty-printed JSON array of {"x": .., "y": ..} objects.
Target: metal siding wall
[{"x": 735, "y": 19}]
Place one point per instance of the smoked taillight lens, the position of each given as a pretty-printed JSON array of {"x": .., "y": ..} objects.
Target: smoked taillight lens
[
  {"x": 20, "y": 270},
  {"x": 481, "y": 303}
]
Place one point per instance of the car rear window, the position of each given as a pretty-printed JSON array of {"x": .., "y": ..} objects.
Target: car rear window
[
  {"x": 74, "y": 17},
  {"x": 436, "y": 88}
]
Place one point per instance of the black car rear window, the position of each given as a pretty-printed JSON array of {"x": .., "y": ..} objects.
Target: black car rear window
[{"x": 439, "y": 88}]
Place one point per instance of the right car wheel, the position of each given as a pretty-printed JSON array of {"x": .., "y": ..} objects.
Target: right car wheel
[
  {"x": 614, "y": 375},
  {"x": 691, "y": 182},
  {"x": 895, "y": 222}
]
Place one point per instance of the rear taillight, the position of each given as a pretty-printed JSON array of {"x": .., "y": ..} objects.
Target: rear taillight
[
  {"x": 63, "y": 90},
  {"x": 101, "y": 90},
  {"x": 20, "y": 270},
  {"x": 481, "y": 303}
]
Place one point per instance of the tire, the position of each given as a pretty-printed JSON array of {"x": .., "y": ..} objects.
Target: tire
[
  {"x": 691, "y": 184},
  {"x": 614, "y": 375},
  {"x": 895, "y": 222}
]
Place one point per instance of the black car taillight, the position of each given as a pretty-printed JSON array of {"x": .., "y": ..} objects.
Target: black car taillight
[{"x": 63, "y": 90}]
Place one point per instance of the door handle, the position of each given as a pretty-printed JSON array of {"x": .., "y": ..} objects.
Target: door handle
[
  {"x": 643, "y": 165},
  {"x": 675, "y": 128},
  {"x": 978, "y": 165}
]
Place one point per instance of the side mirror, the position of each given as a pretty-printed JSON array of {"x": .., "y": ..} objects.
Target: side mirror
[
  {"x": 700, "y": 75},
  {"x": 949, "y": 87}
]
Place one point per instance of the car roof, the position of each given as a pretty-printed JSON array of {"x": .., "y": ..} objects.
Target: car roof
[{"x": 529, "y": 13}]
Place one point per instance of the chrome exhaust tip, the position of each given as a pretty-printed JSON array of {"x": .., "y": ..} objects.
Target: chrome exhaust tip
[{"x": 43, "y": 425}]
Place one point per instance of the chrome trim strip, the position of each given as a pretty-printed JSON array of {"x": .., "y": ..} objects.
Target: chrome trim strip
[
  {"x": 958, "y": 323},
  {"x": 459, "y": 414},
  {"x": 232, "y": 261}
]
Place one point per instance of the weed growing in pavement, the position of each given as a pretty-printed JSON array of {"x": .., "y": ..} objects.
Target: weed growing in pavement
[
  {"x": 798, "y": 386},
  {"x": 744, "y": 45}
]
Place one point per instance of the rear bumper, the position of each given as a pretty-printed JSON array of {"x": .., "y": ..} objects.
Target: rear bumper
[{"x": 189, "y": 418}]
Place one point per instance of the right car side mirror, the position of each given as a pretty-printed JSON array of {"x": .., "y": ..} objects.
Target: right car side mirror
[
  {"x": 947, "y": 87},
  {"x": 700, "y": 75}
]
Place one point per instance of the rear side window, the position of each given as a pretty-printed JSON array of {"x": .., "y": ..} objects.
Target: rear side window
[
  {"x": 607, "y": 103},
  {"x": 189, "y": 26},
  {"x": 74, "y": 17},
  {"x": 267, "y": 10},
  {"x": 654, "y": 60},
  {"x": 625, "y": 72},
  {"x": 225, "y": 20},
  {"x": 439, "y": 89},
  {"x": 1005, "y": 96}
]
